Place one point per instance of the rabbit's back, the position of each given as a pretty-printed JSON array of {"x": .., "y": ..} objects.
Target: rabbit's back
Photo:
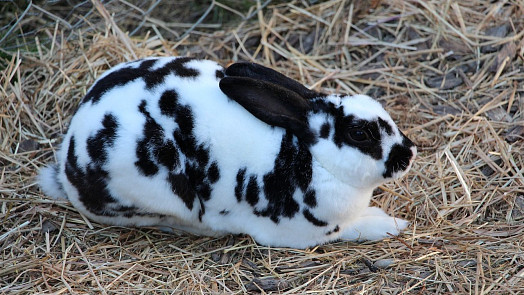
[{"x": 146, "y": 140}]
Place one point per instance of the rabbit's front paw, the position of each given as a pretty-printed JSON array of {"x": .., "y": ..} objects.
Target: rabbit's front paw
[{"x": 374, "y": 225}]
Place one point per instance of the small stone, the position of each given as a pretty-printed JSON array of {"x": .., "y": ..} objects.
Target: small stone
[
  {"x": 445, "y": 110},
  {"x": 384, "y": 263},
  {"x": 28, "y": 145},
  {"x": 467, "y": 263},
  {"x": 498, "y": 31},
  {"x": 498, "y": 115},
  {"x": 515, "y": 134},
  {"x": 487, "y": 170},
  {"x": 518, "y": 209},
  {"x": 267, "y": 284},
  {"x": 48, "y": 226},
  {"x": 448, "y": 81}
]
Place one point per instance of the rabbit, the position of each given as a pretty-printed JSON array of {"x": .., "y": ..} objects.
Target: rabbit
[{"x": 185, "y": 144}]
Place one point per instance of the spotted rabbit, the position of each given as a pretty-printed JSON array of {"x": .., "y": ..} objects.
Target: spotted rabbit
[{"x": 186, "y": 144}]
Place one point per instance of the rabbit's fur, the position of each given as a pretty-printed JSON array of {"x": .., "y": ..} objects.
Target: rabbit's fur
[{"x": 184, "y": 143}]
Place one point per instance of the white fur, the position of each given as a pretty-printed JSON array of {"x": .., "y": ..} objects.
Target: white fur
[{"x": 47, "y": 181}]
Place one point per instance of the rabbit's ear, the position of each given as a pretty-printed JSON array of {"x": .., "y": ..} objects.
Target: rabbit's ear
[
  {"x": 258, "y": 72},
  {"x": 271, "y": 103}
]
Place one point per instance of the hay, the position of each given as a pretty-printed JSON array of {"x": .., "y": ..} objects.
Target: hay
[{"x": 450, "y": 73}]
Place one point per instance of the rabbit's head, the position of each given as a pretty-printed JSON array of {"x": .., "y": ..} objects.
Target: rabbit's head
[{"x": 357, "y": 141}]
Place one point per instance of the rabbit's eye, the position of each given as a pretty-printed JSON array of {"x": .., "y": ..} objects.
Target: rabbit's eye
[{"x": 358, "y": 135}]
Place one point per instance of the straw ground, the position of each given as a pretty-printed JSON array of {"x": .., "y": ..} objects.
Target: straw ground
[{"x": 451, "y": 74}]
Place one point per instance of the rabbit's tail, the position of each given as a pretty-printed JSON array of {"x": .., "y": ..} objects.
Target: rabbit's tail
[{"x": 48, "y": 181}]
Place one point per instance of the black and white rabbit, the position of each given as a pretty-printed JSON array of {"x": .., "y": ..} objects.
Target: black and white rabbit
[{"x": 186, "y": 144}]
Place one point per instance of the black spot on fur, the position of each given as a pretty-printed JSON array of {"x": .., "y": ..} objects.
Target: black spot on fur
[
  {"x": 144, "y": 164},
  {"x": 97, "y": 145},
  {"x": 212, "y": 173},
  {"x": 385, "y": 125},
  {"x": 310, "y": 199},
  {"x": 168, "y": 103},
  {"x": 398, "y": 158},
  {"x": 194, "y": 182},
  {"x": 117, "y": 78},
  {"x": 315, "y": 221},
  {"x": 178, "y": 66},
  {"x": 180, "y": 186},
  {"x": 91, "y": 183},
  {"x": 153, "y": 145},
  {"x": 324, "y": 130},
  {"x": 202, "y": 156},
  {"x": 184, "y": 134},
  {"x": 303, "y": 168},
  {"x": 220, "y": 74},
  {"x": 202, "y": 210},
  {"x": 252, "y": 191},
  {"x": 151, "y": 77},
  {"x": 224, "y": 212},
  {"x": 239, "y": 187},
  {"x": 167, "y": 154},
  {"x": 335, "y": 230}
]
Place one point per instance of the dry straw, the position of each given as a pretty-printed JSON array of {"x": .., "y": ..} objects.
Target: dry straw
[{"x": 450, "y": 72}]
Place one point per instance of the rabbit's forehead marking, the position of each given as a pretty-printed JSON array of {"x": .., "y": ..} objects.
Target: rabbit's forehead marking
[{"x": 152, "y": 71}]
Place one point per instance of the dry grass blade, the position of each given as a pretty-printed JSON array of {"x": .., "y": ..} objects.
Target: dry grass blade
[{"x": 451, "y": 73}]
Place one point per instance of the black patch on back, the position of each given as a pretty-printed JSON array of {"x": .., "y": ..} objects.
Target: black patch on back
[
  {"x": 324, "y": 130},
  {"x": 151, "y": 77},
  {"x": 315, "y": 221},
  {"x": 212, "y": 173},
  {"x": 168, "y": 103},
  {"x": 97, "y": 145},
  {"x": 154, "y": 148},
  {"x": 398, "y": 158},
  {"x": 178, "y": 66},
  {"x": 224, "y": 212}
]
